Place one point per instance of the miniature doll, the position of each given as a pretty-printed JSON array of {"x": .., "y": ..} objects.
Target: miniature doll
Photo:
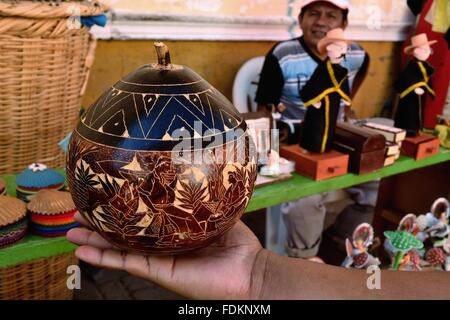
[
  {"x": 322, "y": 94},
  {"x": 413, "y": 84},
  {"x": 435, "y": 223},
  {"x": 357, "y": 250}
]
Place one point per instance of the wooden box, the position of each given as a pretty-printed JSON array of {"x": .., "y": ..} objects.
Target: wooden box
[
  {"x": 422, "y": 146},
  {"x": 316, "y": 165},
  {"x": 366, "y": 148}
]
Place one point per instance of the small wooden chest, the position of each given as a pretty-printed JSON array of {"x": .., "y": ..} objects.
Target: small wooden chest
[
  {"x": 365, "y": 147},
  {"x": 422, "y": 146},
  {"x": 317, "y": 166}
]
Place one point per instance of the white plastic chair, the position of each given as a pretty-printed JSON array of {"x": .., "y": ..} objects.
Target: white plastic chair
[
  {"x": 244, "y": 92},
  {"x": 245, "y": 85}
]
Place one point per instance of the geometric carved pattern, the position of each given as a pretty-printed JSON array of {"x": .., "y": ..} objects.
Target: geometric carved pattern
[{"x": 156, "y": 116}]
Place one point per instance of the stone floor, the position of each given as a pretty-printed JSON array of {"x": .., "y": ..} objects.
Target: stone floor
[{"x": 103, "y": 284}]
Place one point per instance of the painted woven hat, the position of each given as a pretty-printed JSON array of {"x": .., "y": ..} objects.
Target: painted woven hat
[
  {"x": 52, "y": 213},
  {"x": 13, "y": 221},
  {"x": 37, "y": 177},
  {"x": 2, "y": 187}
]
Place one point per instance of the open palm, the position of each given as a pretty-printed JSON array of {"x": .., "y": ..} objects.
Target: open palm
[{"x": 221, "y": 271}]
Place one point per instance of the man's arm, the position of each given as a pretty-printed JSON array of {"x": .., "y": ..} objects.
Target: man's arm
[
  {"x": 361, "y": 75},
  {"x": 277, "y": 277},
  {"x": 237, "y": 267},
  {"x": 359, "y": 79},
  {"x": 270, "y": 84}
]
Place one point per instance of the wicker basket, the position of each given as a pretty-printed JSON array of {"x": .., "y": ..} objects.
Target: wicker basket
[
  {"x": 41, "y": 279},
  {"x": 44, "y": 63}
]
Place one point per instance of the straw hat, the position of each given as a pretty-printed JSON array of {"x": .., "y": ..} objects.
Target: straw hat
[
  {"x": 417, "y": 41},
  {"x": 332, "y": 36}
]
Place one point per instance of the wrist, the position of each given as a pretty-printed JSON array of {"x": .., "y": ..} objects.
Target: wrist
[{"x": 259, "y": 274}]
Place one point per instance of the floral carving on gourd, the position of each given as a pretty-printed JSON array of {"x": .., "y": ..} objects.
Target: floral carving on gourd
[{"x": 145, "y": 194}]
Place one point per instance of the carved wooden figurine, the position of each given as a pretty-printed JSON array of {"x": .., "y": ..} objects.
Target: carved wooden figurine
[
  {"x": 412, "y": 86},
  {"x": 323, "y": 93}
]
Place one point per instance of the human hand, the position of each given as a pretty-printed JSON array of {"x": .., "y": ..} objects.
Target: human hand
[
  {"x": 223, "y": 270},
  {"x": 419, "y": 91},
  {"x": 317, "y": 105}
]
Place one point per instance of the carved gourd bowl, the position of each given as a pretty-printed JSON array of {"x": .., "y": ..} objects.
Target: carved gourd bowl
[{"x": 161, "y": 163}]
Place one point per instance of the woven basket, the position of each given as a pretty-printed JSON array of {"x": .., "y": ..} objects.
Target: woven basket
[
  {"x": 42, "y": 279},
  {"x": 44, "y": 63}
]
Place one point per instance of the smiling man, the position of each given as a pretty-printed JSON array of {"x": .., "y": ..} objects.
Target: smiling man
[
  {"x": 287, "y": 69},
  {"x": 290, "y": 64}
]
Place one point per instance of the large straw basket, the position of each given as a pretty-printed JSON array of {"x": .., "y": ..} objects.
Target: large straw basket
[
  {"x": 42, "y": 279},
  {"x": 44, "y": 64}
]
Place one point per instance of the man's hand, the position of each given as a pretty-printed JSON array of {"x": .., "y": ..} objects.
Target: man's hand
[
  {"x": 224, "y": 270},
  {"x": 419, "y": 91}
]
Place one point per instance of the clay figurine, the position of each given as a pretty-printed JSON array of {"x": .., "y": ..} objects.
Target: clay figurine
[
  {"x": 436, "y": 258},
  {"x": 413, "y": 84},
  {"x": 402, "y": 242},
  {"x": 412, "y": 261},
  {"x": 435, "y": 223},
  {"x": 323, "y": 93},
  {"x": 357, "y": 250},
  {"x": 409, "y": 224}
]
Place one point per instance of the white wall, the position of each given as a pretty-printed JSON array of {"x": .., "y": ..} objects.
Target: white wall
[{"x": 370, "y": 20}]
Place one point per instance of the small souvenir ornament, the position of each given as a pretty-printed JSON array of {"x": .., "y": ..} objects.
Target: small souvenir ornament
[
  {"x": 436, "y": 222},
  {"x": 323, "y": 93},
  {"x": 435, "y": 257},
  {"x": 52, "y": 213},
  {"x": 363, "y": 236},
  {"x": 37, "y": 177},
  {"x": 413, "y": 85},
  {"x": 409, "y": 224},
  {"x": 357, "y": 250},
  {"x": 360, "y": 260},
  {"x": 13, "y": 221},
  {"x": 162, "y": 162},
  {"x": 411, "y": 262},
  {"x": 402, "y": 242}
]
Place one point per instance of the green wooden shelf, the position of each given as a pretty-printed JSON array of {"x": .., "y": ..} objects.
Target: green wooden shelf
[
  {"x": 34, "y": 247},
  {"x": 299, "y": 187}
]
